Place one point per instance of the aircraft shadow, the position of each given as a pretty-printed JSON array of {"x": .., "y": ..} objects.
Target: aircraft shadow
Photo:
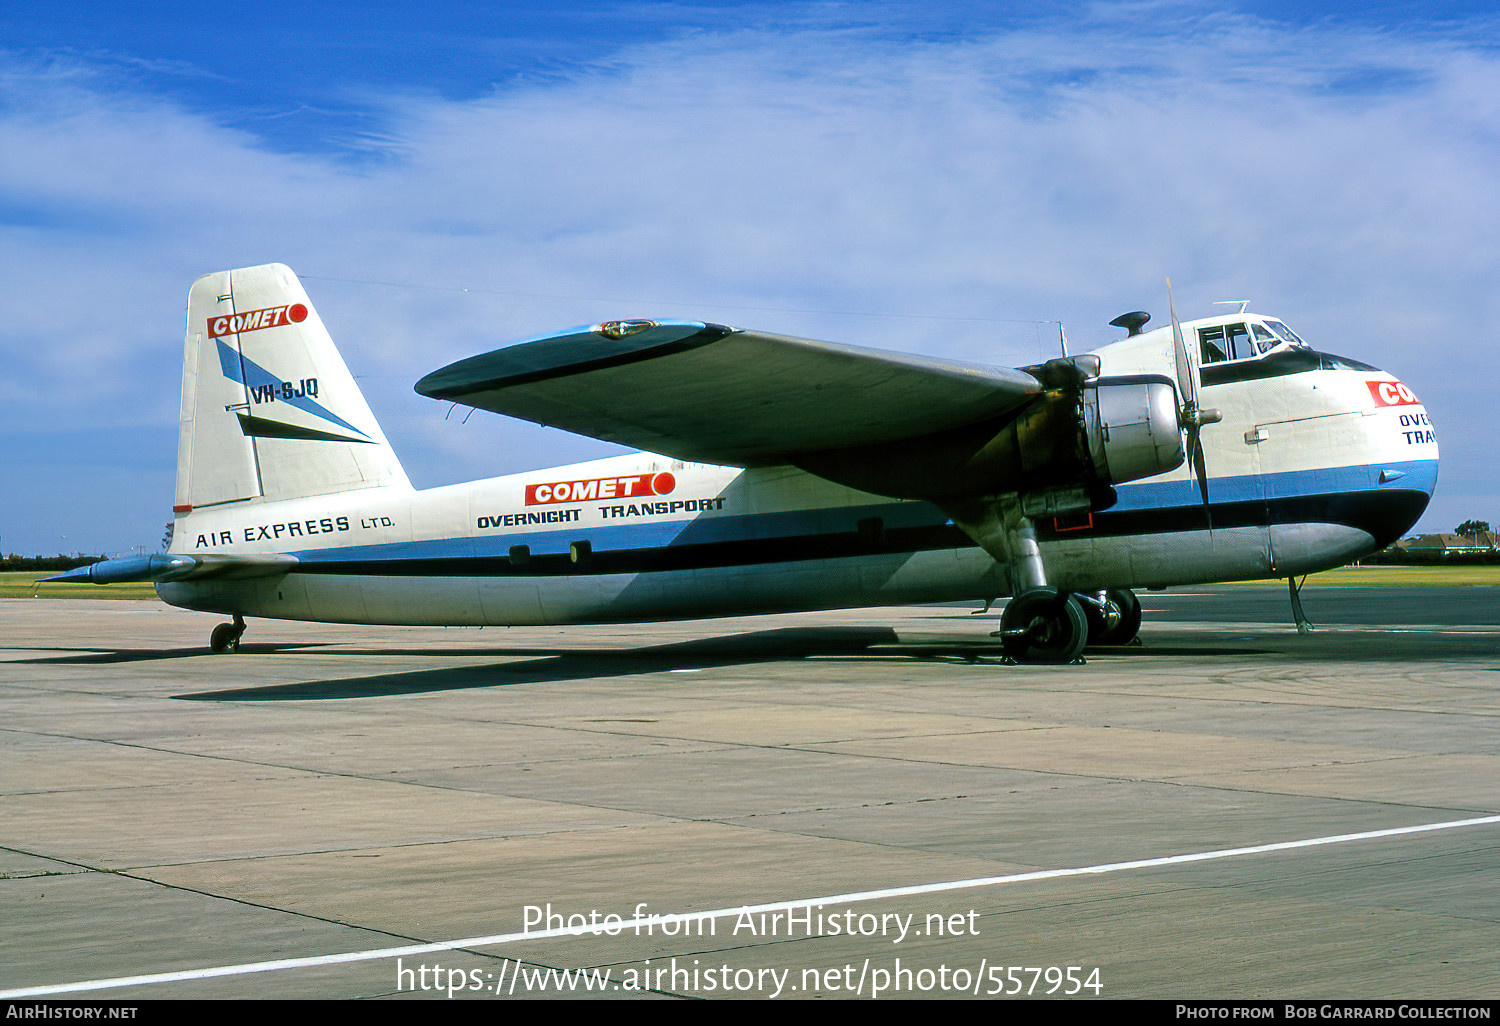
[
  {"x": 780, "y": 645},
  {"x": 88, "y": 656}
]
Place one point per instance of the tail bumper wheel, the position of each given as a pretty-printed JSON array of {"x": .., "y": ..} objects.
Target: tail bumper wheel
[{"x": 1044, "y": 626}]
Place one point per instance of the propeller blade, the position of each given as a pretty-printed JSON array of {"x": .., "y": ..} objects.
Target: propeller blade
[
  {"x": 1200, "y": 470},
  {"x": 1187, "y": 376},
  {"x": 1191, "y": 418}
]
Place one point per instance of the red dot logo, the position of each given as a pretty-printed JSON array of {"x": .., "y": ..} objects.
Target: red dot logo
[
  {"x": 662, "y": 484},
  {"x": 298, "y": 313}
]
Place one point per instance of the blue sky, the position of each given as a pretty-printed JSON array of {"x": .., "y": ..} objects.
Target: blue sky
[{"x": 935, "y": 178}]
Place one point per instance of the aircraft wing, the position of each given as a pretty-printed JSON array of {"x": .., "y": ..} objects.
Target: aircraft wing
[{"x": 713, "y": 394}]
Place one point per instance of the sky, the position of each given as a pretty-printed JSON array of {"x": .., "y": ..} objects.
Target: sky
[{"x": 950, "y": 179}]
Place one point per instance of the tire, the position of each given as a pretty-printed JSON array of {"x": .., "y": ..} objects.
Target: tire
[
  {"x": 1118, "y": 622},
  {"x": 1044, "y": 626},
  {"x": 225, "y": 638}
]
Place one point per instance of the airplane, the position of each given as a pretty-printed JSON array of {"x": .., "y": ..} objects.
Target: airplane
[{"x": 777, "y": 474}]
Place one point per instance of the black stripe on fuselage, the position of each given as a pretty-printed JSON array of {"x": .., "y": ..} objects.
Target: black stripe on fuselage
[
  {"x": 665, "y": 559},
  {"x": 1279, "y": 365},
  {"x": 1382, "y": 515}
]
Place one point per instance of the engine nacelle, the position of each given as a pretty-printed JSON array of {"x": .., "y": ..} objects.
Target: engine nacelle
[
  {"x": 1131, "y": 427},
  {"x": 1063, "y": 451}
]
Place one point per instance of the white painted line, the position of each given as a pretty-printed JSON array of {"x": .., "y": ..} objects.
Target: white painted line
[{"x": 657, "y": 921}]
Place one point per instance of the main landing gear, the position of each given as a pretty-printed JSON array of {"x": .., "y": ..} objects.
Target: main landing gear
[
  {"x": 1044, "y": 625},
  {"x": 226, "y": 636}
]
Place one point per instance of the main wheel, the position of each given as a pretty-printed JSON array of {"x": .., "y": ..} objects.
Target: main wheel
[
  {"x": 1044, "y": 626},
  {"x": 1115, "y": 622}
]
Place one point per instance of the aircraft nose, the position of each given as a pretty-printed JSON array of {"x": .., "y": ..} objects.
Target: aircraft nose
[{"x": 1405, "y": 455}]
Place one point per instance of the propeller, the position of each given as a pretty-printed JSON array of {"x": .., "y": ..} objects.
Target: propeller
[{"x": 1189, "y": 416}]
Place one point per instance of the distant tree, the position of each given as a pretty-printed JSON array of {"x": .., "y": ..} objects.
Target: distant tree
[
  {"x": 18, "y": 562},
  {"x": 1472, "y": 528}
]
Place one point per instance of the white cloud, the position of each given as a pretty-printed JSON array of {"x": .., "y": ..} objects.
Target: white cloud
[{"x": 1343, "y": 179}]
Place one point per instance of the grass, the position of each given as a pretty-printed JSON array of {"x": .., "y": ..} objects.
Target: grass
[
  {"x": 23, "y": 584},
  {"x": 1469, "y": 576}
]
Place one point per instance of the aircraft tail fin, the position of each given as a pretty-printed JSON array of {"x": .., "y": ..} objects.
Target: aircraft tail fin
[{"x": 269, "y": 410}]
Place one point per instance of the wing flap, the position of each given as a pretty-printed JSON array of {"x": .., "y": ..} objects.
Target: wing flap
[{"x": 713, "y": 394}]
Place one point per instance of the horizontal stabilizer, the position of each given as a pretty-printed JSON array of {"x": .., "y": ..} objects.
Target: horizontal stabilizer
[
  {"x": 712, "y": 394},
  {"x": 160, "y": 568}
]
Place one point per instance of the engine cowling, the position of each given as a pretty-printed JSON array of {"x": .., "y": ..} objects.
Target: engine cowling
[{"x": 1131, "y": 427}]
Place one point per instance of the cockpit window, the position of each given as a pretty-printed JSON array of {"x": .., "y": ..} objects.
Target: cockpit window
[
  {"x": 1239, "y": 341},
  {"x": 1226, "y": 342},
  {"x": 1211, "y": 345},
  {"x": 1284, "y": 332}
]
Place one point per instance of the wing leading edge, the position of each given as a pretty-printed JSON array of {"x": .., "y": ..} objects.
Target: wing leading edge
[{"x": 713, "y": 394}]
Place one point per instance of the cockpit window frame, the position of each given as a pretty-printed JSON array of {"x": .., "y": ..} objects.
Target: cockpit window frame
[
  {"x": 1228, "y": 342},
  {"x": 1236, "y": 341},
  {"x": 1211, "y": 347},
  {"x": 1281, "y": 331},
  {"x": 1237, "y": 336}
]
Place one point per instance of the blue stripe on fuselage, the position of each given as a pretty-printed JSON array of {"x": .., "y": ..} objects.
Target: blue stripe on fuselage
[
  {"x": 652, "y": 535},
  {"x": 1418, "y": 475}
]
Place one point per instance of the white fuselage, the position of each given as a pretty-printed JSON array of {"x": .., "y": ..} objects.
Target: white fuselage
[{"x": 1310, "y": 466}]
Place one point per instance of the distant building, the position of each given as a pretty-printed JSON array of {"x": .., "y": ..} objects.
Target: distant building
[{"x": 1437, "y": 548}]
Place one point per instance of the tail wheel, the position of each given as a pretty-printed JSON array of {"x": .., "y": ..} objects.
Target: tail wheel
[
  {"x": 226, "y": 636},
  {"x": 1115, "y": 620},
  {"x": 1044, "y": 626}
]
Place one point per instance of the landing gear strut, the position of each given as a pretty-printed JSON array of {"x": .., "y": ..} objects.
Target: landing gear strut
[
  {"x": 226, "y": 636},
  {"x": 1304, "y": 625},
  {"x": 1114, "y": 616}
]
